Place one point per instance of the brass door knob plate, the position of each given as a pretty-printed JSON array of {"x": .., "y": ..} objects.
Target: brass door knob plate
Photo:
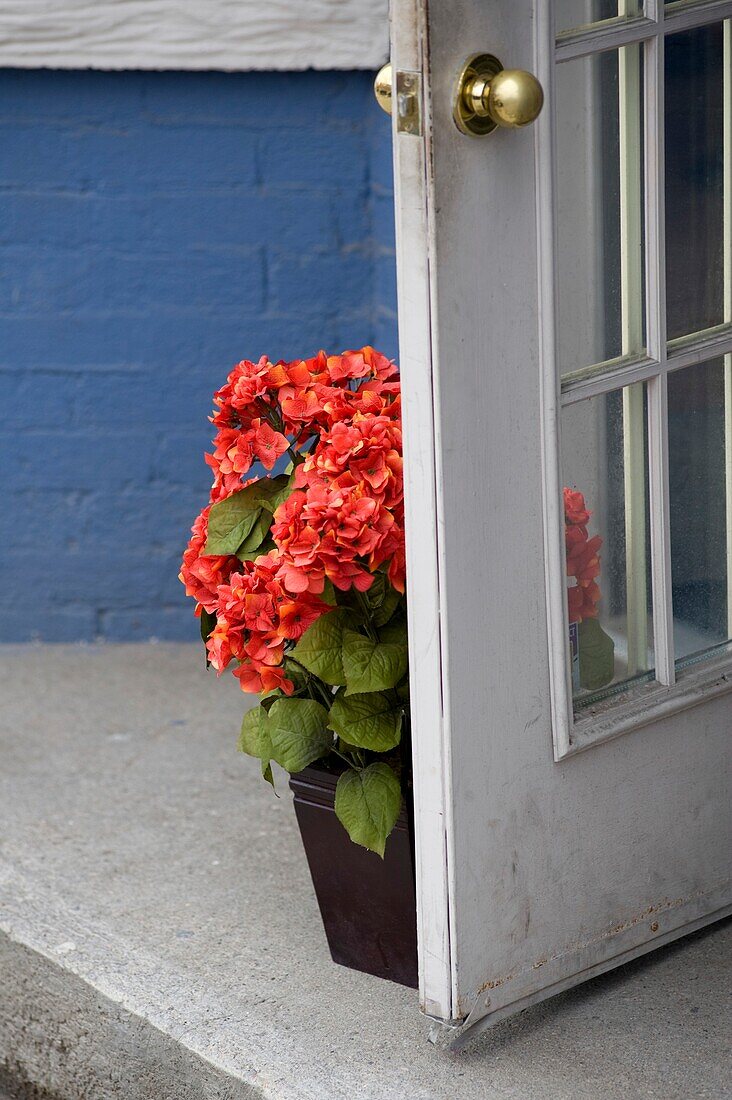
[
  {"x": 400, "y": 93},
  {"x": 488, "y": 96}
]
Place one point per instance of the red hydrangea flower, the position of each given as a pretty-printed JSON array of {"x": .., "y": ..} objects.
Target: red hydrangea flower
[
  {"x": 203, "y": 574},
  {"x": 256, "y": 617},
  {"x": 339, "y": 416}
]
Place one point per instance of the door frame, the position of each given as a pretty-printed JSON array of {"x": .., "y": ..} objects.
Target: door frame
[{"x": 428, "y": 685}]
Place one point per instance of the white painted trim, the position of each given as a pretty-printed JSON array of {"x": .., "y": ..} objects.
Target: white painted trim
[
  {"x": 658, "y": 463},
  {"x": 428, "y": 687},
  {"x": 727, "y": 251},
  {"x": 683, "y": 16},
  {"x": 636, "y": 511},
  {"x": 612, "y": 375},
  {"x": 685, "y": 351},
  {"x": 604, "y": 36},
  {"x": 658, "y": 475},
  {"x": 652, "y": 702},
  {"x": 606, "y": 377},
  {"x": 231, "y": 35},
  {"x": 554, "y": 546},
  {"x": 611, "y": 34},
  {"x": 631, "y": 292}
]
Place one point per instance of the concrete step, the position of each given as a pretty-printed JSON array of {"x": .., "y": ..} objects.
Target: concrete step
[{"x": 159, "y": 937}]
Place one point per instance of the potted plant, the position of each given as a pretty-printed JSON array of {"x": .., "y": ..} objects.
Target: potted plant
[{"x": 298, "y": 578}]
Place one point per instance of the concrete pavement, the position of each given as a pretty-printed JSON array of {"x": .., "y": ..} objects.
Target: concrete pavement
[{"x": 159, "y": 936}]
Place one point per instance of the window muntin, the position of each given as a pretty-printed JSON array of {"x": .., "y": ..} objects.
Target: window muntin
[
  {"x": 572, "y": 15},
  {"x": 656, "y": 362}
]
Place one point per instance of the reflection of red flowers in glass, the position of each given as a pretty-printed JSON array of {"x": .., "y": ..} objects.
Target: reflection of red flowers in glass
[
  {"x": 339, "y": 416},
  {"x": 583, "y": 561}
]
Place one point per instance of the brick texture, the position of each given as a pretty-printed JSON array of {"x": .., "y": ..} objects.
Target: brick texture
[{"x": 155, "y": 228}]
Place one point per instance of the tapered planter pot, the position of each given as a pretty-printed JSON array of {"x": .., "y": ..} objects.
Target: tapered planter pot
[{"x": 368, "y": 905}]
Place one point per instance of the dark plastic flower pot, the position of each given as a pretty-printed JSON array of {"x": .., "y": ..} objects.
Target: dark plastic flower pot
[{"x": 368, "y": 905}]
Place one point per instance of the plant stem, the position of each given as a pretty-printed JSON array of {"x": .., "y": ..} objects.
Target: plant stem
[
  {"x": 313, "y": 682},
  {"x": 367, "y": 614},
  {"x": 345, "y": 759}
]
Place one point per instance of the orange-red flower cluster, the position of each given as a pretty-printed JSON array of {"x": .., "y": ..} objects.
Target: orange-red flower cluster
[
  {"x": 202, "y": 574},
  {"x": 256, "y": 617},
  {"x": 346, "y": 515},
  {"x": 339, "y": 417},
  {"x": 583, "y": 562}
]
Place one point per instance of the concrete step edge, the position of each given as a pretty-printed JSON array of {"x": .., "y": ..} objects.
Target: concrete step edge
[
  {"x": 78, "y": 1031},
  {"x": 63, "y": 1039}
]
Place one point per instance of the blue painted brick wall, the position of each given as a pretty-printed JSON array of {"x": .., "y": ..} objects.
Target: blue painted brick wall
[{"x": 154, "y": 229}]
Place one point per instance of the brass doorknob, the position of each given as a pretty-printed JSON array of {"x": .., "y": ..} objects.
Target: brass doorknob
[
  {"x": 382, "y": 87},
  {"x": 488, "y": 96}
]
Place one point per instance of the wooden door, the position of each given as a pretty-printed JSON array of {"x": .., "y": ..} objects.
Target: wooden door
[{"x": 565, "y": 298}]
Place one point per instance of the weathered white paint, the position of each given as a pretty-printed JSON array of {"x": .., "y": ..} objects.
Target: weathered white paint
[
  {"x": 631, "y": 294},
  {"x": 194, "y": 34},
  {"x": 428, "y": 708},
  {"x": 727, "y": 250},
  {"x": 544, "y": 871}
]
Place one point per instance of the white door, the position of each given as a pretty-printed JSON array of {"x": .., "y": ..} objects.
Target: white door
[{"x": 565, "y": 297}]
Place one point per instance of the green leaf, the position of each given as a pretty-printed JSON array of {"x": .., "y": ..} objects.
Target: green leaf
[
  {"x": 372, "y": 666},
  {"x": 298, "y": 733},
  {"x": 208, "y": 622},
  {"x": 374, "y": 595},
  {"x": 252, "y": 546},
  {"x": 367, "y": 804},
  {"x": 389, "y": 604},
  {"x": 382, "y": 600},
  {"x": 254, "y": 737},
  {"x": 274, "y": 491},
  {"x": 596, "y": 655},
  {"x": 369, "y": 721},
  {"x": 230, "y": 521},
  {"x": 328, "y": 594},
  {"x": 254, "y": 740},
  {"x": 320, "y": 648},
  {"x": 395, "y": 632}
]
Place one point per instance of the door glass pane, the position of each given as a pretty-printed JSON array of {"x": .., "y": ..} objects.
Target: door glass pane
[
  {"x": 699, "y": 448},
  {"x": 572, "y": 14},
  {"x": 599, "y": 209},
  {"x": 605, "y": 480},
  {"x": 695, "y": 185}
]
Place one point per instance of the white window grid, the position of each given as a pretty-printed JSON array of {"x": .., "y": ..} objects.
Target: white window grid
[{"x": 674, "y": 688}]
